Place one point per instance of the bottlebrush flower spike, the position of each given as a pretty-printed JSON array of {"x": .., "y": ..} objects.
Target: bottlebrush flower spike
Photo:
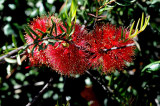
[
  {"x": 66, "y": 59},
  {"x": 103, "y": 38},
  {"x": 40, "y": 24}
]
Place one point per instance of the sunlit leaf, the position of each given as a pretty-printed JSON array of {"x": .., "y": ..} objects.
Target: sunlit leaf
[
  {"x": 9, "y": 60},
  {"x": 131, "y": 28},
  {"x": 18, "y": 59},
  {"x": 142, "y": 20},
  {"x": 155, "y": 66}
]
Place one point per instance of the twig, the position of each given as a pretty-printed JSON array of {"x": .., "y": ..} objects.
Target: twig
[
  {"x": 13, "y": 57},
  {"x": 23, "y": 47},
  {"x": 40, "y": 92},
  {"x": 106, "y": 88},
  {"x": 14, "y": 69},
  {"x": 11, "y": 53},
  {"x": 114, "y": 48},
  {"x": 107, "y": 3}
]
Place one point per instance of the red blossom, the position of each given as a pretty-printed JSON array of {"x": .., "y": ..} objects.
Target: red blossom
[
  {"x": 42, "y": 24},
  {"x": 84, "y": 50},
  {"x": 107, "y": 36},
  {"x": 66, "y": 60}
]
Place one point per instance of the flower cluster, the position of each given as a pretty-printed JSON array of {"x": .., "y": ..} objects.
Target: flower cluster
[{"x": 84, "y": 50}]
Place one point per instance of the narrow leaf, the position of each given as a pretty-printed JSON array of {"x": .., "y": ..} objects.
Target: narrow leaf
[
  {"x": 45, "y": 34},
  {"x": 30, "y": 29},
  {"x": 131, "y": 28},
  {"x": 122, "y": 33},
  {"x": 40, "y": 31},
  {"x": 73, "y": 9},
  {"x": 142, "y": 20},
  {"x": 22, "y": 37},
  {"x": 28, "y": 32},
  {"x": 56, "y": 29},
  {"x": 9, "y": 60},
  {"x": 146, "y": 22},
  {"x": 136, "y": 30},
  {"x": 155, "y": 66},
  {"x": 19, "y": 60},
  {"x": 51, "y": 43},
  {"x": 33, "y": 49},
  {"x": 72, "y": 31},
  {"x": 53, "y": 25},
  {"x": 40, "y": 47},
  {"x": 62, "y": 29},
  {"x": 14, "y": 41}
]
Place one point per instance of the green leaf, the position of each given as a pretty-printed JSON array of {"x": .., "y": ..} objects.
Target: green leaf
[
  {"x": 122, "y": 34},
  {"x": 28, "y": 32},
  {"x": 131, "y": 28},
  {"x": 19, "y": 60},
  {"x": 53, "y": 25},
  {"x": 4, "y": 87},
  {"x": 45, "y": 34},
  {"x": 51, "y": 43},
  {"x": 136, "y": 30},
  {"x": 72, "y": 31},
  {"x": 48, "y": 94},
  {"x": 33, "y": 49},
  {"x": 142, "y": 20},
  {"x": 21, "y": 51},
  {"x": 155, "y": 66},
  {"x": 40, "y": 47},
  {"x": 73, "y": 10},
  {"x": 20, "y": 76},
  {"x": 56, "y": 29},
  {"x": 145, "y": 23},
  {"x": 30, "y": 29},
  {"x": 22, "y": 37},
  {"x": 60, "y": 35},
  {"x": 62, "y": 29},
  {"x": 9, "y": 60},
  {"x": 14, "y": 41},
  {"x": 40, "y": 31}
]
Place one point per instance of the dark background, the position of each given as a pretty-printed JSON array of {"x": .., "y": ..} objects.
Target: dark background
[{"x": 130, "y": 86}]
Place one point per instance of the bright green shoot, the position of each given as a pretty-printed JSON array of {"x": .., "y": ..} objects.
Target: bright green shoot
[{"x": 142, "y": 26}]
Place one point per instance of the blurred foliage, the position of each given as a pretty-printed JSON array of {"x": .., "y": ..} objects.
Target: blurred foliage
[{"x": 136, "y": 85}]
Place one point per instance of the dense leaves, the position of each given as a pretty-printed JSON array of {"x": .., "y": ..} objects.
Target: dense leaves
[{"x": 136, "y": 85}]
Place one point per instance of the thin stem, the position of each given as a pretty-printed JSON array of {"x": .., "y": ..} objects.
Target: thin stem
[
  {"x": 23, "y": 47},
  {"x": 11, "y": 53},
  {"x": 41, "y": 92},
  {"x": 107, "y": 3},
  {"x": 114, "y": 48},
  {"x": 106, "y": 88}
]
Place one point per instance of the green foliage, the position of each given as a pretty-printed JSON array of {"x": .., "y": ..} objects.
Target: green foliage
[
  {"x": 154, "y": 66},
  {"x": 136, "y": 85},
  {"x": 142, "y": 26}
]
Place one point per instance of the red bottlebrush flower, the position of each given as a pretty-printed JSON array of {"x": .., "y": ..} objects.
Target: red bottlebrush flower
[
  {"x": 66, "y": 59},
  {"x": 42, "y": 24},
  {"x": 105, "y": 37}
]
